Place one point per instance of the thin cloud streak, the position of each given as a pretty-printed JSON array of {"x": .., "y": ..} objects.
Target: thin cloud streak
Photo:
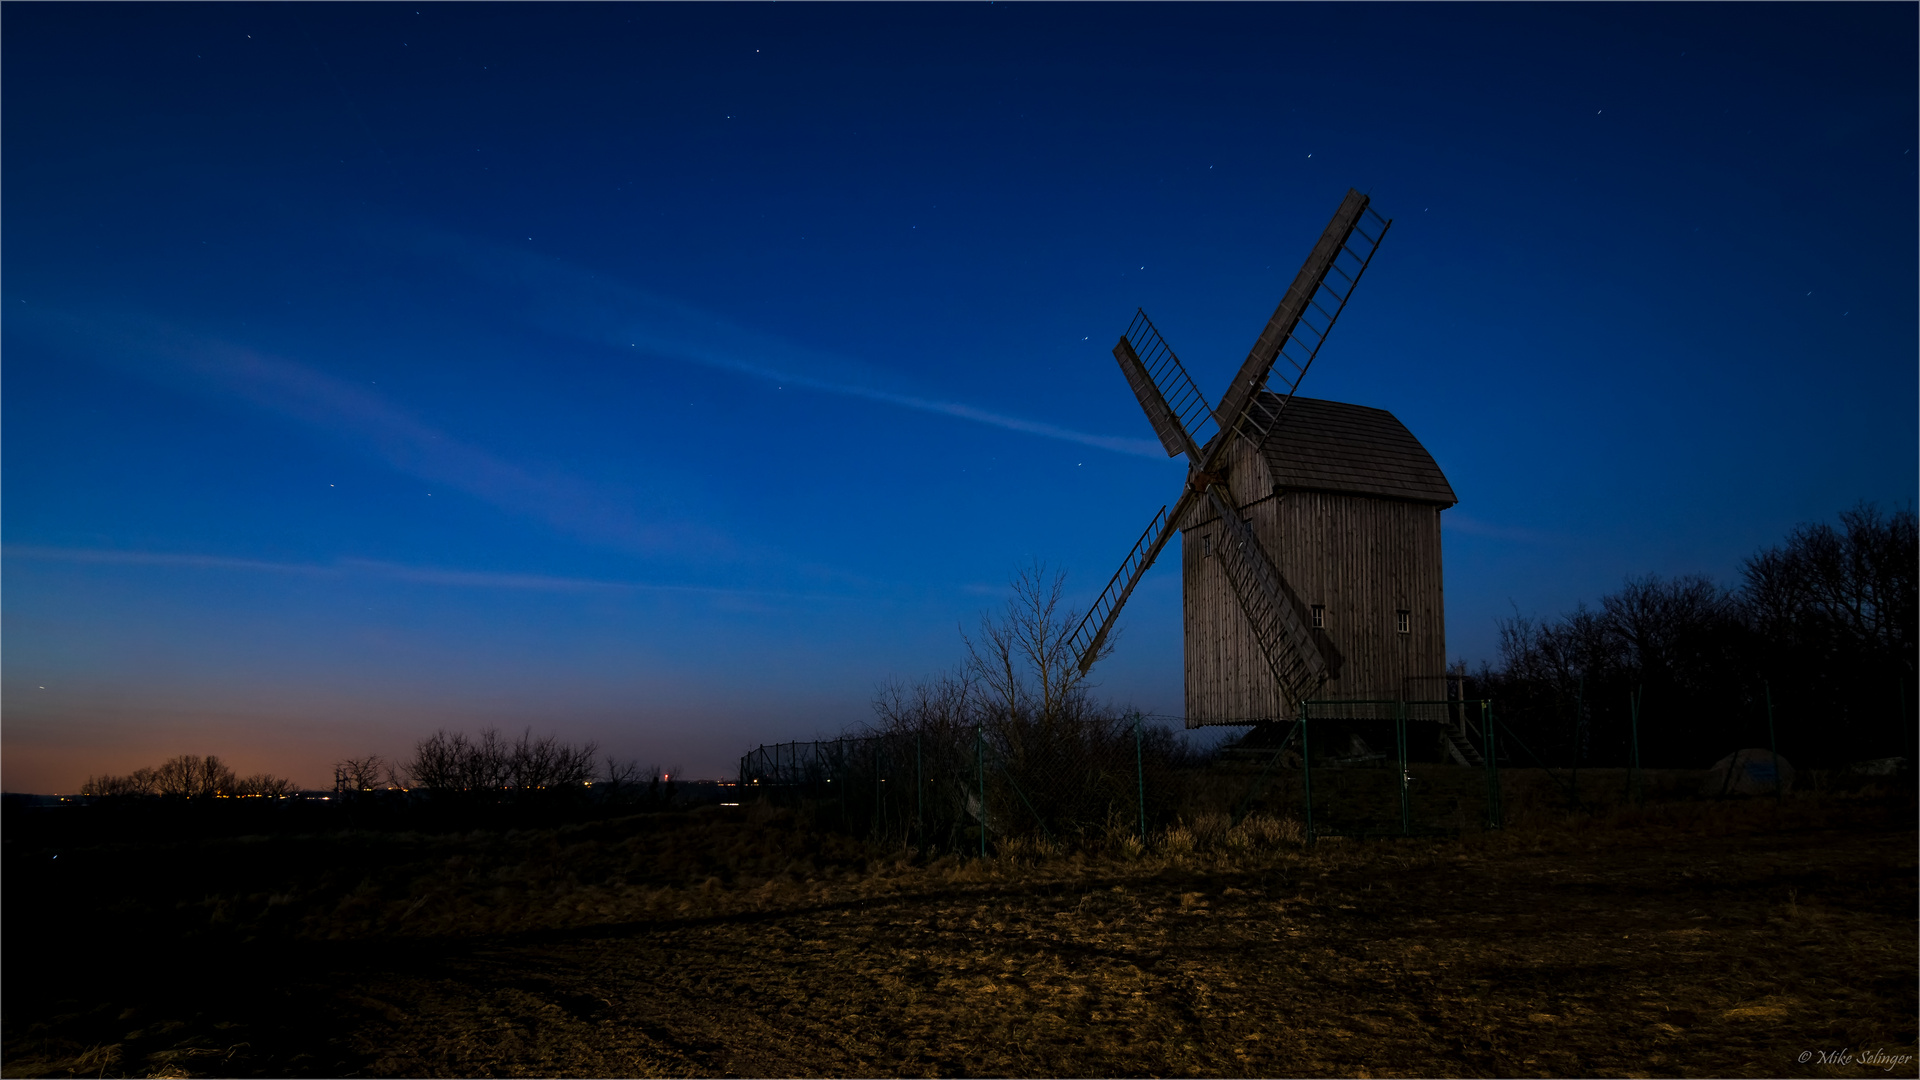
[
  {"x": 408, "y": 445},
  {"x": 1455, "y": 521},
  {"x": 576, "y": 303},
  {"x": 369, "y": 568}
]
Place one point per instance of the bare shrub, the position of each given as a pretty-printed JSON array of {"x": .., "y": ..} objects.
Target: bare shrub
[
  {"x": 625, "y": 775},
  {"x": 1177, "y": 840},
  {"x": 451, "y": 761},
  {"x": 1267, "y": 831},
  {"x": 1209, "y": 830},
  {"x": 186, "y": 777},
  {"x": 139, "y": 782},
  {"x": 944, "y": 703},
  {"x": 534, "y": 764},
  {"x": 265, "y": 786},
  {"x": 370, "y": 773},
  {"x": 439, "y": 762}
]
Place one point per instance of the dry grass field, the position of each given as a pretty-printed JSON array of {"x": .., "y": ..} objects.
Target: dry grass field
[{"x": 1718, "y": 939}]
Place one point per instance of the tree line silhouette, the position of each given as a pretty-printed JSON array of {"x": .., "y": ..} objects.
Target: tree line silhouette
[
  {"x": 189, "y": 777},
  {"x": 447, "y": 768},
  {"x": 451, "y": 765},
  {"x": 1819, "y": 632}
]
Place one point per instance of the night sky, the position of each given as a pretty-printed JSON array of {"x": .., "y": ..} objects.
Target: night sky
[{"x": 670, "y": 376}]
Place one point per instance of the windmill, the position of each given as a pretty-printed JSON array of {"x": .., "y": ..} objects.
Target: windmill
[{"x": 1242, "y": 453}]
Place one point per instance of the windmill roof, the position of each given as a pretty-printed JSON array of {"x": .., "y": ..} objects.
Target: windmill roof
[{"x": 1333, "y": 446}]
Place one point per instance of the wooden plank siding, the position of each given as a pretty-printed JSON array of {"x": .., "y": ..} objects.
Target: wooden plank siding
[{"x": 1363, "y": 557}]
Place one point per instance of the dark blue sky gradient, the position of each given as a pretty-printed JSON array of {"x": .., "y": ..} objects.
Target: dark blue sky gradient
[{"x": 669, "y": 376}]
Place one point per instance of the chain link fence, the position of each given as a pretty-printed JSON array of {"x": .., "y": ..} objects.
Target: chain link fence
[
  {"x": 964, "y": 788},
  {"x": 959, "y": 788}
]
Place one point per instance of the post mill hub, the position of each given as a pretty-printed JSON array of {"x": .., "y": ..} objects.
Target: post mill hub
[{"x": 1310, "y": 530}]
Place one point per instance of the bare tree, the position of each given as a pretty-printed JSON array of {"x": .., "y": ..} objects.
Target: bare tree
[
  {"x": 138, "y": 782},
  {"x": 1828, "y": 591},
  {"x": 533, "y": 764},
  {"x": 487, "y": 767},
  {"x": 191, "y": 777},
  {"x": 370, "y": 773},
  {"x": 626, "y": 774},
  {"x": 437, "y": 763},
  {"x": 450, "y": 761},
  {"x": 263, "y": 785},
  {"x": 1024, "y": 659}
]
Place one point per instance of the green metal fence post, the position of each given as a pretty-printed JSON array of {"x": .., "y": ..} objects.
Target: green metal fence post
[
  {"x": 1306, "y": 768},
  {"x": 980, "y": 770},
  {"x": 1400, "y": 737},
  {"x": 1913, "y": 733},
  {"x": 1496, "y": 813},
  {"x": 1773, "y": 745},
  {"x": 1140, "y": 777},
  {"x": 1579, "y": 730},
  {"x": 1633, "y": 772}
]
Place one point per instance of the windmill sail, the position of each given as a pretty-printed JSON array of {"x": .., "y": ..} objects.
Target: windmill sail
[
  {"x": 1292, "y": 655},
  {"x": 1091, "y": 635},
  {"x": 1300, "y": 325},
  {"x": 1181, "y": 416}
]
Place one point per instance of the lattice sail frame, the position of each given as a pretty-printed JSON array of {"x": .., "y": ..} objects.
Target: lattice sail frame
[
  {"x": 1182, "y": 418},
  {"x": 1328, "y": 299}
]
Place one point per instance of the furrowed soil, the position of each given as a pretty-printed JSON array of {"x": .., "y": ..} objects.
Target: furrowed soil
[{"x": 1723, "y": 939}]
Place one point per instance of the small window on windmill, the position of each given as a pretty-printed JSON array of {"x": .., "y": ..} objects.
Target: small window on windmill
[
  {"x": 1319, "y": 616},
  {"x": 1403, "y": 621},
  {"x": 1206, "y": 547}
]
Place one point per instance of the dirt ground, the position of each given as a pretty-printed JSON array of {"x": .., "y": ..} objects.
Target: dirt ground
[{"x": 1696, "y": 939}]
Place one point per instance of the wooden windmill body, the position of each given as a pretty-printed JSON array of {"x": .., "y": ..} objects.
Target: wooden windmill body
[
  {"x": 1310, "y": 529},
  {"x": 1347, "y": 503}
]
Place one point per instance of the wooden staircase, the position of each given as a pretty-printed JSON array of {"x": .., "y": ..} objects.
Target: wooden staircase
[{"x": 1460, "y": 748}]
